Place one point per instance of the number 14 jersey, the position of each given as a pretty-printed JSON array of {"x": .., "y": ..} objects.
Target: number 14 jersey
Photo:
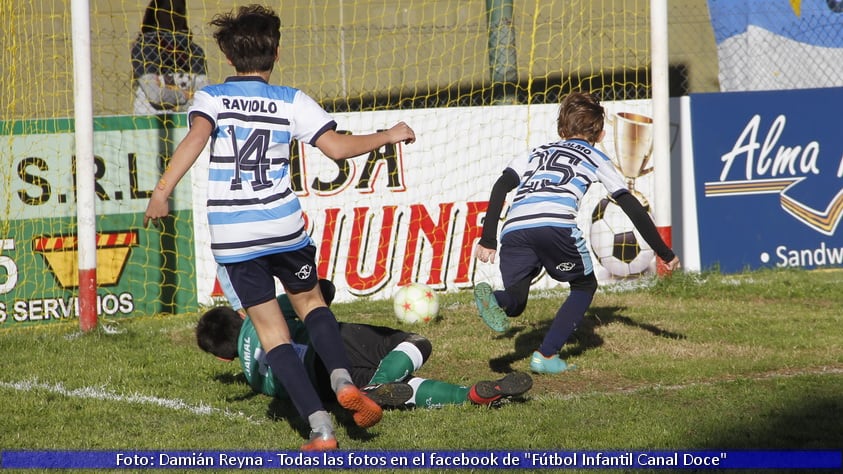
[{"x": 252, "y": 209}]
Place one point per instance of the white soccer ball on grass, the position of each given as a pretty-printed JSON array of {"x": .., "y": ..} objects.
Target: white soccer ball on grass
[{"x": 415, "y": 303}]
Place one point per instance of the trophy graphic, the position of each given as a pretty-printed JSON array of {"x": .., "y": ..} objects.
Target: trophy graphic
[
  {"x": 612, "y": 235},
  {"x": 633, "y": 136}
]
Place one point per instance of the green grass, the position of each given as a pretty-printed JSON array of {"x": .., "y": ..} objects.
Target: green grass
[{"x": 691, "y": 362}]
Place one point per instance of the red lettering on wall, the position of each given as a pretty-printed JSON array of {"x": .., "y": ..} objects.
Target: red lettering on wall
[
  {"x": 326, "y": 246},
  {"x": 436, "y": 234},
  {"x": 472, "y": 232},
  {"x": 356, "y": 250}
]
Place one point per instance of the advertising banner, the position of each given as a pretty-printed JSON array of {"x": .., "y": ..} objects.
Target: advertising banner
[
  {"x": 413, "y": 213},
  {"x": 139, "y": 270},
  {"x": 769, "y": 178},
  {"x": 400, "y": 214}
]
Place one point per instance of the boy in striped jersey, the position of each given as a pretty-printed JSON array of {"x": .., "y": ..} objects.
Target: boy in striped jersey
[
  {"x": 541, "y": 231},
  {"x": 255, "y": 219}
]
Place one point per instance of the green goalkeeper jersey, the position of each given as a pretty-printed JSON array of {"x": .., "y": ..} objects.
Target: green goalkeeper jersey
[{"x": 253, "y": 357}]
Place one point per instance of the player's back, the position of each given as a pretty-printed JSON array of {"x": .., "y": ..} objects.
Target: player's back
[
  {"x": 554, "y": 178},
  {"x": 252, "y": 209}
]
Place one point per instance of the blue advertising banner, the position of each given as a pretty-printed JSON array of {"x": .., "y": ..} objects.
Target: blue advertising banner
[{"x": 768, "y": 170}]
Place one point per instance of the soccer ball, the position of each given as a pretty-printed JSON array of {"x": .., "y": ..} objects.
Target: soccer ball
[
  {"x": 616, "y": 243},
  {"x": 415, "y": 303}
]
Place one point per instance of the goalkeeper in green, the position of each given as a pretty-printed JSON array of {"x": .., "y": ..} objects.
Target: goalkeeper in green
[{"x": 383, "y": 360}]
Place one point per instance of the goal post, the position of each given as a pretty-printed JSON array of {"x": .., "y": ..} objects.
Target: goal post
[
  {"x": 661, "y": 123},
  {"x": 84, "y": 137}
]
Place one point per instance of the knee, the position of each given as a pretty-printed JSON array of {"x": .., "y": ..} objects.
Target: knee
[
  {"x": 422, "y": 343},
  {"x": 518, "y": 294},
  {"x": 328, "y": 290},
  {"x": 587, "y": 283},
  {"x": 517, "y": 308}
]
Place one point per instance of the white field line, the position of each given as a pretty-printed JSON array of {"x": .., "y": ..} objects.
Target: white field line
[
  {"x": 95, "y": 393},
  {"x": 202, "y": 409},
  {"x": 678, "y": 387}
]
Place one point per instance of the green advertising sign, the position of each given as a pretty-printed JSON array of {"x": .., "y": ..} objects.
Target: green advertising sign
[{"x": 139, "y": 270}]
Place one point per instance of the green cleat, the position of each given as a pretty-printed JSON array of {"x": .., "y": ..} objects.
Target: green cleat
[
  {"x": 492, "y": 314},
  {"x": 548, "y": 365}
]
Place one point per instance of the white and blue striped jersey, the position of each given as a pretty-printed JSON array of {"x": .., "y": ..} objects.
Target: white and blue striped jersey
[
  {"x": 252, "y": 209},
  {"x": 553, "y": 179}
]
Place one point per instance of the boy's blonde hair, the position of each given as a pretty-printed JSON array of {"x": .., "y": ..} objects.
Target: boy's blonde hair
[{"x": 581, "y": 116}]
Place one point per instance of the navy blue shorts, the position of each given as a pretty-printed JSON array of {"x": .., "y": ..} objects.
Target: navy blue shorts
[
  {"x": 561, "y": 251},
  {"x": 252, "y": 281}
]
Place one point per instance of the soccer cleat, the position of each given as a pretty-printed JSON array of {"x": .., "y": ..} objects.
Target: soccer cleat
[
  {"x": 390, "y": 395},
  {"x": 547, "y": 365},
  {"x": 365, "y": 411},
  {"x": 492, "y": 314},
  {"x": 320, "y": 442},
  {"x": 512, "y": 384}
]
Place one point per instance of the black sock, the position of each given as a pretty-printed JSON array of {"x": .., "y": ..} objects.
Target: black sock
[
  {"x": 325, "y": 337},
  {"x": 289, "y": 370}
]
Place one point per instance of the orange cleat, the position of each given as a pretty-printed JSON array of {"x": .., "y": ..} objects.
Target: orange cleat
[
  {"x": 320, "y": 442},
  {"x": 365, "y": 411}
]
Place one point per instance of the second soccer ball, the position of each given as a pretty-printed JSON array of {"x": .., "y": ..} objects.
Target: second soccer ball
[{"x": 616, "y": 242}]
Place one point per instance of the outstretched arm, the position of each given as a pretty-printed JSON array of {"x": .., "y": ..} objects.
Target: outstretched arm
[
  {"x": 639, "y": 217},
  {"x": 486, "y": 247},
  {"x": 338, "y": 146},
  {"x": 183, "y": 158}
]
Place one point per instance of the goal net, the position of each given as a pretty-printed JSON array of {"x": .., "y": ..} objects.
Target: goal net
[{"x": 478, "y": 81}]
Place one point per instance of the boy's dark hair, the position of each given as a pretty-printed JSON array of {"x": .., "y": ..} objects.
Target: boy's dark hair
[
  {"x": 249, "y": 37},
  {"x": 580, "y": 115},
  {"x": 218, "y": 330}
]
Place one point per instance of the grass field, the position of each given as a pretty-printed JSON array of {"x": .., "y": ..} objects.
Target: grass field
[{"x": 691, "y": 362}]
